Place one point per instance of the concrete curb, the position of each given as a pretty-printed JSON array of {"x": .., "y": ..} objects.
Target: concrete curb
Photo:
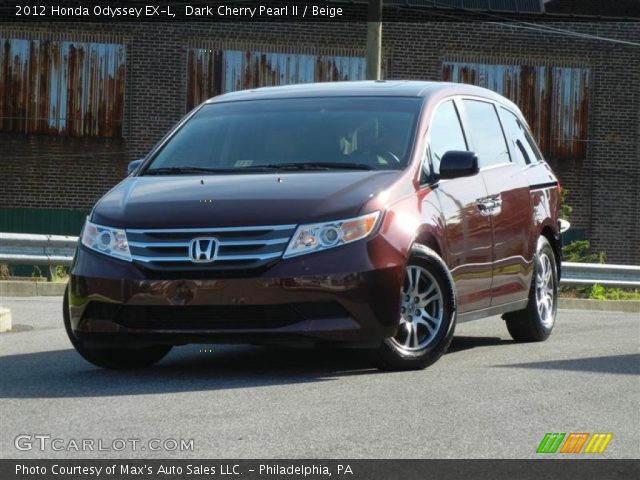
[
  {"x": 13, "y": 288},
  {"x": 5, "y": 319},
  {"x": 46, "y": 289},
  {"x": 629, "y": 306}
]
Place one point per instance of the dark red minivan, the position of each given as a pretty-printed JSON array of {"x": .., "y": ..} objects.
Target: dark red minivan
[{"x": 371, "y": 214}]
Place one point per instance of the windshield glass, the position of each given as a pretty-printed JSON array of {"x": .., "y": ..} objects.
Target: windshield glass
[{"x": 290, "y": 134}]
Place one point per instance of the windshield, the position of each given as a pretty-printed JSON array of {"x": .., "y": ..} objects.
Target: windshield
[{"x": 361, "y": 133}]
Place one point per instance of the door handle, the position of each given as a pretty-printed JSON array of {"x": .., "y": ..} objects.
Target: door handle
[
  {"x": 490, "y": 205},
  {"x": 486, "y": 205}
]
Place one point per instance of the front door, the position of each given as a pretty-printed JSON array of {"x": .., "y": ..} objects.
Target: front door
[
  {"x": 507, "y": 203},
  {"x": 468, "y": 234}
]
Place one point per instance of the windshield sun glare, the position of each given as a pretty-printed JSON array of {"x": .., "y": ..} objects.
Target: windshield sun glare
[{"x": 357, "y": 133}]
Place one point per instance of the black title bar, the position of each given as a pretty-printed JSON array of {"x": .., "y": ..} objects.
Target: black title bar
[
  {"x": 319, "y": 469},
  {"x": 21, "y": 11}
]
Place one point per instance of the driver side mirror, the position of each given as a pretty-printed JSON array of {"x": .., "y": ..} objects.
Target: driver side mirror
[
  {"x": 133, "y": 166},
  {"x": 455, "y": 164}
]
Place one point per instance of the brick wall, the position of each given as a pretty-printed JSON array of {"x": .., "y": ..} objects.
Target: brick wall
[{"x": 41, "y": 171}]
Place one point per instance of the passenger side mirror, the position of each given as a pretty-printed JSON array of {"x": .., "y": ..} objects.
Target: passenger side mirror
[
  {"x": 134, "y": 165},
  {"x": 455, "y": 164}
]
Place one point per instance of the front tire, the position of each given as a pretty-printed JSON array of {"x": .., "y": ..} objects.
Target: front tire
[
  {"x": 535, "y": 322},
  {"x": 427, "y": 316},
  {"x": 112, "y": 358}
]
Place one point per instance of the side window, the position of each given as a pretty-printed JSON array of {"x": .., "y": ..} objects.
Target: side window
[
  {"x": 445, "y": 133},
  {"x": 531, "y": 144},
  {"x": 486, "y": 132},
  {"x": 525, "y": 151}
]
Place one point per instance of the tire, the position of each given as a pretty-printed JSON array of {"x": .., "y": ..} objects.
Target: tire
[
  {"x": 112, "y": 358},
  {"x": 535, "y": 322},
  {"x": 423, "y": 338}
]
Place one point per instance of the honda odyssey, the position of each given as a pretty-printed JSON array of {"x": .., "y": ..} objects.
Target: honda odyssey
[{"x": 369, "y": 214}]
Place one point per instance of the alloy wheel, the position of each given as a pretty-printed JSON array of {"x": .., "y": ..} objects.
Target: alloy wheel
[
  {"x": 421, "y": 311},
  {"x": 545, "y": 290}
]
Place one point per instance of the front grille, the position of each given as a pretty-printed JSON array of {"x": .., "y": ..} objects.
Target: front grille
[
  {"x": 212, "y": 317},
  {"x": 239, "y": 249}
]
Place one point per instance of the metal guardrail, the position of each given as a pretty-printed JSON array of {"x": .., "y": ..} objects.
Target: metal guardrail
[
  {"x": 607, "y": 275},
  {"x": 31, "y": 249}
]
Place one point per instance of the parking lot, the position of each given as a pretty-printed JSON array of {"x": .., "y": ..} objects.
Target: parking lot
[{"x": 487, "y": 398}]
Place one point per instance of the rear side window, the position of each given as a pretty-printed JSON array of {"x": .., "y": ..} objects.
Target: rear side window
[
  {"x": 445, "y": 133},
  {"x": 523, "y": 145},
  {"x": 486, "y": 132}
]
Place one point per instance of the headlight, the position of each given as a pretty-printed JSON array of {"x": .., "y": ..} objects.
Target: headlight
[
  {"x": 110, "y": 241},
  {"x": 320, "y": 236}
]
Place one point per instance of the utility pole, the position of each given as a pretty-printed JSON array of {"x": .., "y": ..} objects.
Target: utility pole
[{"x": 374, "y": 39}]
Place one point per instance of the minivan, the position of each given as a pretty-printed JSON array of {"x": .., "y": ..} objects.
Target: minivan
[{"x": 372, "y": 214}]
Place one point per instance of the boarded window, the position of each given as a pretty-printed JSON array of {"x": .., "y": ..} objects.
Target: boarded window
[
  {"x": 62, "y": 88},
  {"x": 212, "y": 72},
  {"x": 554, "y": 100}
]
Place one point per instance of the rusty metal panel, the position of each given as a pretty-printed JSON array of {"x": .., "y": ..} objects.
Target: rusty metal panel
[
  {"x": 204, "y": 75},
  {"x": 504, "y": 79},
  {"x": 255, "y": 69},
  {"x": 533, "y": 99},
  {"x": 62, "y": 88},
  {"x": 213, "y": 72},
  {"x": 569, "y": 106},
  {"x": 554, "y": 100},
  {"x": 340, "y": 68}
]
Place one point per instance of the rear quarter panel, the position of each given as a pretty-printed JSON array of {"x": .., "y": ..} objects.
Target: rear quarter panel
[{"x": 545, "y": 201}]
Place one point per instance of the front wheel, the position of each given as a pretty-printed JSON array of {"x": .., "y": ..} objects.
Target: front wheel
[
  {"x": 112, "y": 358},
  {"x": 535, "y": 322},
  {"x": 427, "y": 316}
]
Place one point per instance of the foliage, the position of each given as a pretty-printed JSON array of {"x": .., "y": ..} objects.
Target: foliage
[
  {"x": 565, "y": 209},
  {"x": 579, "y": 251},
  {"x": 36, "y": 272},
  {"x": 5, "y": 271},
  {"x": 598, "y": 292},
  {"x": 62, "y": 273}
]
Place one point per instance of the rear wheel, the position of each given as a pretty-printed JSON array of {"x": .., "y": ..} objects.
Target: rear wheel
[
  {"x": 536, "y": 321},
  {"x": 427, "y": 317},
  {"x": 113, "y": 358}
]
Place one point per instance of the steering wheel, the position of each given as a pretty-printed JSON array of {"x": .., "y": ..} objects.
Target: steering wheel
[{"x": 389, "y": 156}]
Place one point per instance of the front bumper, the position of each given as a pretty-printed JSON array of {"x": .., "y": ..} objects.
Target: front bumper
[{"x": 347, "y": 295}]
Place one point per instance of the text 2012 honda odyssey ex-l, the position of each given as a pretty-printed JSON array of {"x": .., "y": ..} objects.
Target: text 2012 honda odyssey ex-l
[{"x": 375, "y": 214}]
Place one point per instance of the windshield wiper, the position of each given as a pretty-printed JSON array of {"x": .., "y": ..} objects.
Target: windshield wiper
[
  {"x": 290, "y": 166},
  {"x": 184, "y": 170},
  {"x": 318, "y": 166}
]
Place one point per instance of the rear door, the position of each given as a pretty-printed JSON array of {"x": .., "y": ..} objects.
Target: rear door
[
  {"x": 468, "y": 234},
  {"x": 507, "y": 203}
]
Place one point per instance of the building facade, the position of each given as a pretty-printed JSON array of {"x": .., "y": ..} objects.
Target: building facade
[{"x": 79, "y": 101}]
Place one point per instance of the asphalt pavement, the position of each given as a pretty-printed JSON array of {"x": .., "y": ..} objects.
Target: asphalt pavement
[{"x": 487, "y": 398}]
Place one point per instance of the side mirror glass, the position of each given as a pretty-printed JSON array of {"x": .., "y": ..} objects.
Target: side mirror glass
[
  {"x": 134, "y": 165},
  {"x": 455, "y": 164}
]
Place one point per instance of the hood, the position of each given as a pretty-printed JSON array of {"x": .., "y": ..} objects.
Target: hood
[{"x": 239, "y": 200}]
